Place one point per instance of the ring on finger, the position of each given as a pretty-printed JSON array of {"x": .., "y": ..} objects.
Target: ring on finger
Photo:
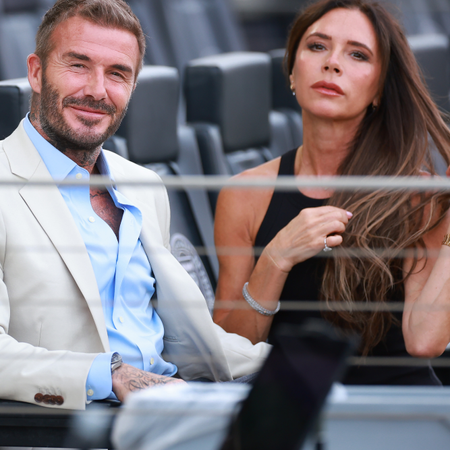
[{"x": 326, "y": 248}]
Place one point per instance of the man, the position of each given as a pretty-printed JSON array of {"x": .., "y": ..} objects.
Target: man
[{"x": 78, "y": 263}]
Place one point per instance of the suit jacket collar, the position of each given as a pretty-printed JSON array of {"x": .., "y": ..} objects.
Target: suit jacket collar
[{"x": 52, "y": 213}]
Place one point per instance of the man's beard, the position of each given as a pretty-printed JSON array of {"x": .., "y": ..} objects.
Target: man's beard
[{"x": 60, "y": 134}]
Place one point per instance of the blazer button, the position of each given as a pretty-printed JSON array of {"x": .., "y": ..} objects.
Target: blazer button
[
  {"x": 47, "y": 399},
  {"x": 38, "y": 398},
  {"x": 59, "y": 400}
]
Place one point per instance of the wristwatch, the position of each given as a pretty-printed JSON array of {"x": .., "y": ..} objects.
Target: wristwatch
[{"x": 116, "y": 361}]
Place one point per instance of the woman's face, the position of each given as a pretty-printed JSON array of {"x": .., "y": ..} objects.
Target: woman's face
[{"x": 337, "y": 68}]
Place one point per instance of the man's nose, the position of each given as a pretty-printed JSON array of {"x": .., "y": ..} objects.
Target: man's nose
[{"x": 95, "y": 86}]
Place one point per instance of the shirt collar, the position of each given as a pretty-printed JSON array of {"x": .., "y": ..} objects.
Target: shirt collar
[{"x": 57, "y": 163}]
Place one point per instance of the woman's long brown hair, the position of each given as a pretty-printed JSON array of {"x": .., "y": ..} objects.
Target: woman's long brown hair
[{"x": 392, "y": 140}]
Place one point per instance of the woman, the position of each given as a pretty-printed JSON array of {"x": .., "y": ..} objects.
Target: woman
[{"x": 365, "y": 112}]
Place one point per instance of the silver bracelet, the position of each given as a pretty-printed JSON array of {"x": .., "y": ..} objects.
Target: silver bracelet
[{"x": 255, "y": 305}]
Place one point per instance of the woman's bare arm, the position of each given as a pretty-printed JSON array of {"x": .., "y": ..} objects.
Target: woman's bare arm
[
  {"x": 239, "y": 215},
  {"x": 426, "y": 317}
]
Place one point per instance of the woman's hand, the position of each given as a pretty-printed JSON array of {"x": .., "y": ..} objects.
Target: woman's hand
[{"x": 305, "y": 235}]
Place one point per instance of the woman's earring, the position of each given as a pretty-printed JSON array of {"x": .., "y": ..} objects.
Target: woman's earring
[{"x": 293, "y": 89}]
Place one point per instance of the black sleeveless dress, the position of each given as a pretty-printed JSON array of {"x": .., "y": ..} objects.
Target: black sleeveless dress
[{"x": 303, "y": 284}]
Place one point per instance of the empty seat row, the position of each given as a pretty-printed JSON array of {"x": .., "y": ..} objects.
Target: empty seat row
[
  {"x": 179, "y": 31},
  {"x": 176, "y": 31}
]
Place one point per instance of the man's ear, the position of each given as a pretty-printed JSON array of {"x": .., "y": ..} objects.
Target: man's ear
[{"x": 35, "y": 72}]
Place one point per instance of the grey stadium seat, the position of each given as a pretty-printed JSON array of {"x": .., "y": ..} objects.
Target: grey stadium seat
[
  {"x": 228, "y": 102},
  {"x": 282, "y": 98},
  {"x": 19, "y": 21},
  {"x": 155, "y": 140}
]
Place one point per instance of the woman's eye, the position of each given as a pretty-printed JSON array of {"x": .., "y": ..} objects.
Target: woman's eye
[
  {"x": 316, "y": 46},
  {"x": 360, "y": 56}
]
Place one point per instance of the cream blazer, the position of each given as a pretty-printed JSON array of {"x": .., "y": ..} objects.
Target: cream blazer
[{"x": 51, "y": 319}]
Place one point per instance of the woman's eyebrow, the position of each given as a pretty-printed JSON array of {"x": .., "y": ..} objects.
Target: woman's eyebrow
[
  {"x": 360, "y": 44},
  {"x": 321, "y": 35},
  {"x": 329, "y": 38}
]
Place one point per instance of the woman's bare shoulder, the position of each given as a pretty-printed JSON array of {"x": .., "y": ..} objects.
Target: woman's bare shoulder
[
  {"x": 243, "y": 209},
  {"x": 267, "y": 170}
]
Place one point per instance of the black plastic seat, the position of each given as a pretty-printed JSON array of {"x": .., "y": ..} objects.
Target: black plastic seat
[
  {"x": 19, "y": 21},
  {"x": 282, "y": 98},
  {"x": 14, "y": 104},
  {"x": 156, "y": 140},
  {"x": 228, "y": 101}
]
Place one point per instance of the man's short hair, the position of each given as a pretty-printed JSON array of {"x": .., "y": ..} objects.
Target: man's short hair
[{"x": 106, "y": 13}]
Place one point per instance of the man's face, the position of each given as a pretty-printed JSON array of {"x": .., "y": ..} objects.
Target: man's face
[{"x": 86, "y": 84}]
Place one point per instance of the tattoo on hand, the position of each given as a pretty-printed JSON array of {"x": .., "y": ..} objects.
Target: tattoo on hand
[{"x": 129, "y": 379}]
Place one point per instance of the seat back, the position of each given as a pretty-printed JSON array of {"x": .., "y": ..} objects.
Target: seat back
[
  {"x": 150, "y": 14},
  {"x": 282, "y": 99},
  {"x": 199, "y": 28},
  {"x": 14, "y": 104},
  {"x": 228, "y": 102},
  {"x": 19, "y": 21},
  {"x": 155, "y": 140}
]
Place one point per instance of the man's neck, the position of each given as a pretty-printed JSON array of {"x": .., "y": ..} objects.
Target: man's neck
[{"x": 83, "y": 158}]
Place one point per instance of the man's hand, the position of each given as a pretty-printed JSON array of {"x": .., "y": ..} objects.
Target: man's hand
[{"x": 128, "y": 379}]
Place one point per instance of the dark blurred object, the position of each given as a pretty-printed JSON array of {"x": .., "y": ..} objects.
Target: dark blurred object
[
  {"x": 284, "y": 404},
  {"x": 180, "y": 30},
  {"x": 19, "y": 21},
  {"x": 432, "y": 52},
  {"x": 26, "y": 425},
  {"x": 15, "y": 102}
]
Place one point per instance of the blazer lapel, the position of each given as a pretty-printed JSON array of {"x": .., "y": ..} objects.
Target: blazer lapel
[{"x": 52, "y": 213}]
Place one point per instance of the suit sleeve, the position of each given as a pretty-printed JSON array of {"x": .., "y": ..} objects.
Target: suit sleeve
[{"x": 31, "y": 373}]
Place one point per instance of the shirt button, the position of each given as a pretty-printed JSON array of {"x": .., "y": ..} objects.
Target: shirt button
[
  {"x": 92, "y": 219},
  {"x": 78, "y": 176},
  {"x": 90, "y": 393},
  {"x": 152, "y": 361},
  {"x": 121, "y": 319}
]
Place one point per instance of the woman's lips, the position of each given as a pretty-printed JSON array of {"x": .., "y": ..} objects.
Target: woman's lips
[{"x": 327, "y": 88}]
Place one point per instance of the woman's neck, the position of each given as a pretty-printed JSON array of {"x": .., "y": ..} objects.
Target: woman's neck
[{"x": 325, "y": 146}]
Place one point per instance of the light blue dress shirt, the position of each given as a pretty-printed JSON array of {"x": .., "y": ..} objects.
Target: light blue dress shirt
[{"x": 122, "y": 270}]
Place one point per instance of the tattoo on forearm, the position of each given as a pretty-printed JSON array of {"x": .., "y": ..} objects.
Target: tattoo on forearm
[{"x": 133, "y": 379}]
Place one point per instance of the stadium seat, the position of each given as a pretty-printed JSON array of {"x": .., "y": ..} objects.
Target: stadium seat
[
  {"x": 19, "y": 21},
  {"x": 156, "y": 140},
  {"x": 14, "y": 104},
  {"x": 282, "y": 98},
  {"x": 228, "y": 102}
]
